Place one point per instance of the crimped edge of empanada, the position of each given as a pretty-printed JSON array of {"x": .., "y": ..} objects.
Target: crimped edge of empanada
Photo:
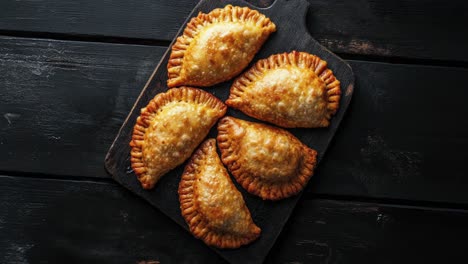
[
  {"x": 196, "y": 221},
  {"x": 227, "y": 14},
  {"x": 266, "y": 190},
  {"x": 186, "y": 94},
  {"x": 296, "y": 59}
]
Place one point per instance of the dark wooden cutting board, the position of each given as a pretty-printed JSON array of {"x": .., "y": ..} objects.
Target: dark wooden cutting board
[{"x": 292, "y": 34}]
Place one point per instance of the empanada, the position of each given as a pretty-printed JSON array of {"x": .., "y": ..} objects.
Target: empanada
[
  {"x": 290, "y": 90},
  {"x": 210, "y": 203},
  {"x": 217, "y": 46},
  {"x": 169, "y": 129},
  {"x": 267, "y": 161}
]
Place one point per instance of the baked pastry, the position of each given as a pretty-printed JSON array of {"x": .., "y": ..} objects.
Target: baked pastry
[
  {"x": 210, "y": 203},
  {"x": 217, "y": 46},
  {"x": 169, "y": 129},
  {"x": 290, "y": 90},
  {"x": 267, "y": 161}
]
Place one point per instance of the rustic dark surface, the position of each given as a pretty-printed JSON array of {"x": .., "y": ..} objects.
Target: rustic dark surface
[
  {"x": 404, "y": 136},
  {"x": 57, "y": 221},
  {"x": 428, "y": 29},
  {"x": 74, "y": 94},
  {"x": 378, "y": 161},
  {"x": 72, "y": 70}
]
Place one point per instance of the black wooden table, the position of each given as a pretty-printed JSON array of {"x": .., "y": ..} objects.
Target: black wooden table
[{"x": 392, "y": 187}]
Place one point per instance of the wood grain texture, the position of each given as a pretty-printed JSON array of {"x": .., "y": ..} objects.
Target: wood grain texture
[
  {"x": 325, "y": 231},
  {"x": 403, "y": 136},
  {"x": 55, "y": 221},
  {"x": 270, "y": 216},
  {"x": 63, "y": 102},
  {"x": 145, "y": 19},
  {"x": 428, "y": 29},
  {"x": 425, "y": 29}
]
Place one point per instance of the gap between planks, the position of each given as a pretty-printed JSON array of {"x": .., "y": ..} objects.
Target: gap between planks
[
  {"x": 84, "y": 38},
  {"x": 403, "y": 203},
  {"x": 165, "y": 43}
]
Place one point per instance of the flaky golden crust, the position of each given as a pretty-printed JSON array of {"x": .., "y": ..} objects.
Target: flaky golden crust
[
  {"x": 210, "y": 203},
  {"x": 217, "y": 46},
  {"x": 290, "y": 90},
  {"x": 169, "y": 129},
  {"x": 267, "y": 161}
]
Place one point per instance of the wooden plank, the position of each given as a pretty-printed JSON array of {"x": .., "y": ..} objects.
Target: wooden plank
[
  {"x": 55, "y": 220},
  {"x": 403, "y": 136},
  {"x": 143, "y": 19},
  {"x": 327, "y": 231},
  {"x": 411, "y": 29},
  {"x": 63, "y": 102},
  {"x": 424, "y": 29}
]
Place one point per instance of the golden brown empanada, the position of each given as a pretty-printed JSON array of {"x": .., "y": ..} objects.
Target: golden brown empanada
[
  {"x": 169, "y": 129},
  {"x": 267, "y": 161},
  {"x": 290, "y": 90},
  {"x": 217, "y": 46},
  {"x": 210, "y": 203}
]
